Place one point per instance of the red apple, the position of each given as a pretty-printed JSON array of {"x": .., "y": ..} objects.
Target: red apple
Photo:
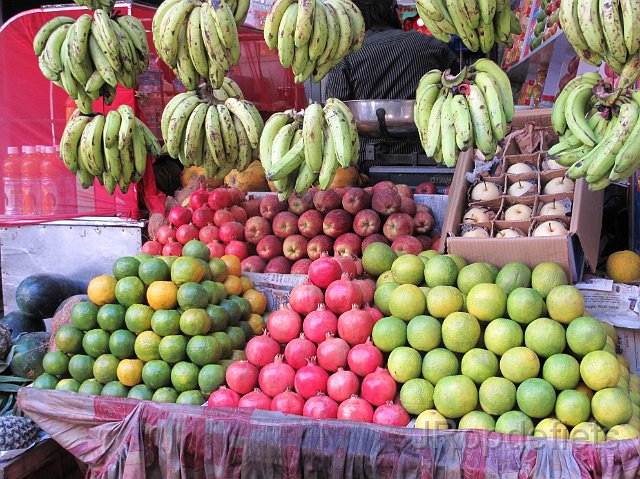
[
  {"x": 271, "y": 206},
  {"x": 423, "y": 207},
  {"x": 216, "y": 248},
  {"x": 426, "y": 241},
  {"x": 436, "y": 243},
  {"x": 253, "y": 264},
  {"x": 336, "y": 223},
  {"x": 237, "y": 195},
  {"x": 310, "y": 223},
  {"x": 359, "y": 266},
  {"x": 256, "y": 228},
  {"x": 347, "y": 244},
  {"x": 269, "y": 247},
  {"x": 202, "y": 216},
  {"x": 299, "y": 204},
  {"x": 186, "y": 233},
  {"x": 221, "y": 217},
  {"x": 423, "y": 223},
  {"x": 231, "y": 231},
  {"x": 342, "y": 191},
  {"x": 172, "y": 248},
  {"x": 426, "y": 188},
  {"x": 327, "y": 200},
  {"x": 285, "y": 224},
  {"x": 375, "y": 238},
  {"x": 405, "y": 191},
  {"x": 398, "y": 224},
  {"x": 407, "y": 245},
  {"x": 208, "y": 234},
  {"x": 251, "y": 207},
  {"x": 294, "y": 247},
  {"x": 220, "y": 198},
  {"x": 384, "y": 185},
  {"x": 165, "y": 234},
  {"x": 152, "y": 247},
  {"x": 318, "y": 245},
  {"x": 239, "y": 214},
  {"x": 408, "y": 206},
  {"x": 386, "y": 202},
  {"x": 301, "y": 266},
  {"x": 355, "y": 200},
  {"x": 366, "y": 223},
  {"x": 279, "y": 264}
]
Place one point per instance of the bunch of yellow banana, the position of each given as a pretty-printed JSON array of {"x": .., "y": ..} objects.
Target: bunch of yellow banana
[
  {"x": 599, "y": 131},
  {"x": 605, "y": 31},
  {"x": 478, "y": 23},
  {"x": 89, "y": 56},
  {"x": 313, "y": 36},
  {"x": 217, "y": 130},
  {"x": 199, "y": 39},
  {"x": 468, "y": 110},
  {"x": 300, "y": 150},
  {"x": 112, "y": 149},
  {"x": 106, "y": 5}
]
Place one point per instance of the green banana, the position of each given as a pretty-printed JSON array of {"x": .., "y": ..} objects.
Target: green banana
[
  {"x": 150, "y": 141},
  {"x": 250, "y": 119},
  {"x": 273, "y": 21},
  {"x": 127, "y": 126},
  {"x": 589, "y": 22},
  {"x": 448, "y": 134},
  {"x": 197, "y": 50},
  {"x": 271, "y": 128},
  {"x": 40, "y": 40},
  {"x": 213, "y": 136},
  {"x": 288, "y": 163},
  {"x": 558, "y": 119},
  {"x": 312, "y": 127},
  {"x": 91, "y": 144},
  {"x": 101, "y": 63},
  {"x": 422, "y": 110},
  {"x": 70, "y": 140},
  {"x": 194, "y": 135},
  {"x": 491, "y": 94},
  {"x": 286, "y": 45},
  {"x": 481, "y": 121},
  {"x": 304, "y": 22},
  {"x": 244, "y": 146},
  {"x": 329, "y": 163},
  {"x": 305, "y": 179},
  {"x": 463, "y": 127},
  {"x": 176, "y": 127},
  {"x": 570, "y": 157},
  {"x": 229, "y": 136},
  {"x": 432, "y": 143},
  {"x": 139, "y": 153},
  {"x": 339, "y": 130},
  {"x": 168, "y": 111},
  {"x": 570, "y": 25},
  {"x": 575, "y": 114},
  {"x": 504, "y": 85},
  {"x": 612, "y": 29}
]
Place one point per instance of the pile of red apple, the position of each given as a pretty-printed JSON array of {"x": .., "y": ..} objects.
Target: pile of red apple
[
  {"x": 272, "y": 236},
  {"x": 316, "y": 359}
]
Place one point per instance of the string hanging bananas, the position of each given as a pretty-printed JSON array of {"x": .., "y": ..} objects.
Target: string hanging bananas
[
  {"x": 468, "y": 110},
  {"x": 605, "y": 31},
  {"x": 299, "y": 150},
  {"x": 112, "y": 149},
  {"x": 199, "y": 39},
  {"x": 313, "y": 36},
  {"x": 215, "y": 129},
  {"x": 106, "y": 5},
  {"x": 479, "y": 23},
  {"x": 89, "y": 56},
  {"x": 599, "y": 131}
]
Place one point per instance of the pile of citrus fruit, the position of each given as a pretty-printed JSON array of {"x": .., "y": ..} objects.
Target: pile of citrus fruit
[
  {"x": 509, "y": 350},
  {"x": 161, "y": 328}
]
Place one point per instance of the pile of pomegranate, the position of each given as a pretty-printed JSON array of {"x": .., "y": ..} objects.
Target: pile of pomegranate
[
  {"x": 316, "y": 359},
  {"x": 272, "y": 236}
]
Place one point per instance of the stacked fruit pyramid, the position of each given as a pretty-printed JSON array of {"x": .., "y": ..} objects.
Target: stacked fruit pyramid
[
  {"x": 161, "y": 328},
  {"x": 510, "y": 350}
]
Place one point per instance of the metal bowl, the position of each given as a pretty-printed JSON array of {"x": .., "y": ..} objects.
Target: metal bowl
[{"x": 384, "y": 118}]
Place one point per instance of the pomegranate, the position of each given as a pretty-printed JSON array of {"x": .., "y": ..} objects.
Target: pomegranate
[
  {"x": 216, "y": 249},
  {"x": 355, "y": 325},
  {"x": 198, "y": 198},
  {"x": 202, "y": 217},
  {"x": 288, "y": 402},
  {"x": 320, "y": 407},
  {"x": 318, "y": 323},
  {"x": 378, "y": 387},
  {"x": 209, "y": 233},
  {"x": 305, "y": 297},
  {"x": 310, "y": 379},
  {"x": 359, "y": 267},
  {"x": 239, "y": 214},
  {"x": 332, "y": 353},
  {"x": 367, "y": 289},
  {"x": 348, "y": 264},
  {"x": 324, "y": 271},
  {"x": 284, "y": 324},
  {"x": 298, "y": 350},
  {"x": 179, "y": 215},
  {"x": 152, "y": 247},
  {"x": 237, "y": 195},
  {"x": 276, "y": 377},
  {"x": 391, "y": 414},
  {"x": 220, "y": 198},
  {"x": 342, "y": 385},
  {"x": 165, "y": 234},
  {"x": 223, "y": 216},
  {"x": 172, "y": 248},
  {"x": 364, "y": 358},
  {"x": 373, "y": 312},
  {"x": 186, "y": 233},
  {"x": 256, "y": 399},
  {"x": 355, "y": 409},
  {"x": 242, "y": 377},
  {"x": 262, "y": 350},
  {"x": 341, "y": 295},
  {"x": 223, "y": 397}
]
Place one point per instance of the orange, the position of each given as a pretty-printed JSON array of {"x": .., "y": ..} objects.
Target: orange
[
  {"x": 233, "y": 264},
  {"x": 102, "y": 290},
  {"x": 624, "y": 267},
  {"x": 247, "y": 284},
  {"x": 257, "y": 300},
  {"x": 233, "y": 284},
  {"x": 162, "y": 295},
  {"x": 130, "y": 372}
]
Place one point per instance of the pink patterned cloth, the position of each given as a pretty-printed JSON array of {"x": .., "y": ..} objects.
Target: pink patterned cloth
[{"x": 125, "y": 438}]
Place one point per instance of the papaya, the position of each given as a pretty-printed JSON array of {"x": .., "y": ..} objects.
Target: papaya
[
  {"x": 28, "y": 353},
  {"x": 251, "y": 179}
]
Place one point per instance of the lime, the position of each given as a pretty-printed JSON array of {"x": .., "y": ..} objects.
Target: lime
[
  {"x": 194, "y": 322},
  {"x": 96, "y": 342},
  {"x": 524, "y": 305},
  {"x": 184, "y": 376},
  {"x": 219, "y": 317},
  {"x": 404, "y": 363},
  {"x": 219, "y": 270},
  {"x": 56, "y": 363},
  {"x": 458, "y": 260},
  {"x": 455, "y": 396},
  {"x": 153, "y": 269},
  {"x": 45, "y": 381},
  {"x": 515, "y": 423},
  {"x": 473, "y": 274},
  {"x": 585, "y": 335},
  {"x": 193, "y": 295},
  {"x": 211, "y": 377},
  {"x": 389, "y": 333},
  {"x": 382, "y": 296},
  {"x": 460, "y": 332},
  {"x": 493, "y": 270},
  {"x": 138, "y": 318},
  {"x": 111, "y": 317},
  {"x": 90, "y": 387},
  {"x": 547, "y": 276},
  {"x": 196, "y": 249},
  {"x": 386, "y": 277},
  {"x": 173, "y": 349},
  {"x": 69, "y": 339},
  {"x": 600, "y": 370},
  {"x": 165, "y": 322},
  {"x": 130, "y": 290},
  {"x": 477, "y": 420},
  {"x": 545, "y": 337},
  {"x": 168, "y": 395},
  {"x": 444, "y": 300},
  {"x": 115, "y": 389},
  {"x": 587, "y": 431},
  {"x": 497, "y": 396},
  {"x": 423, "y": 333},
  {"x": 487, "y": 302},
  {"x": 185, "y": 270},
  {"x": 518, "y": 364},
  {"x": 203, "y": 350},
  {"x": 551, "y": 428},
  {"x": 440, "y": 271},
  {"x": 431, "y": 419},
  {"x": 121, "y": 343},
  {"x": 408, "y": 269},
  {"x": 439, "y": 363},
  {"x": 512, "y": 276},
  {"x": 479, "y": 365},
  {"x": 536, "y": 397},
  {"x": 210, "y": 286},
  {"x": 192, "y": 398},
  {"x": 572, "y": 407},
  {"x": 223, "y": 339},
  {"x": 147, "y": 346},
  {"x": 70, "y": 385},
  {"x": 125, "y": 266},
  {"x": 562, "y": 371},
  {"x": 84, "y": 315},
  {"x": 81, "y": 367},
  {"x": 105, "y": 368},
  {"x": 565, "y": 303},
  {"x": 406, "y": 301},
  {"x": 142, "y": 392},
  {"x": 236, "y": 335},
  {"x": 378, "y": 258},
  {"x": 622, "y": 432},
  {"x": 501, "y": 335},
  {"x": 611, "y": 406},
  {"x": 156, "y": 374},
  {"x": 233, "y": 311},
  {"x": 416, "y": 396}
]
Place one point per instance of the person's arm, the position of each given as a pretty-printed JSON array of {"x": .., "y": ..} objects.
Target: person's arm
[{"x": 338, "y": 82}]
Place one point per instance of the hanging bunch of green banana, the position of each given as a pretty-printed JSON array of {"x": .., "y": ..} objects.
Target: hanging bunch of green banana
[
  {"x": 89, "y": 56},
  {"x": 217, "y": 130},
  {"x": 112, "y": 149},
  {"x": 599, "y": 131},
  {"x": 106, "y": 5},
  {"x": 298, "y": 151},
  {"x": 605, "y": 31},
  {"x": 313, "y": 36},
  {"x": 469, "y": 110},
  {"x": 478, "y": 23},
  {"x": 199, "y": 39}
]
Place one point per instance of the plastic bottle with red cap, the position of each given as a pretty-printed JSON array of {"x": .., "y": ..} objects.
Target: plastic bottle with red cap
[
  {"x": 57, "y": 192},
  {"x": 30, "y": 169},
  {"x": 11, "y": 182}
]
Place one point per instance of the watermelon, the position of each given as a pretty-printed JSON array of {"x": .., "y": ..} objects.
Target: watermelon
[
  {"x": 18, "y": 322},
  {"x": 39, "y": 295},
  {"x": 29, "y": 350}
]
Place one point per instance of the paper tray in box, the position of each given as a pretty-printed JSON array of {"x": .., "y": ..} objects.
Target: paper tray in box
[{"x": 276, "y": 287}]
